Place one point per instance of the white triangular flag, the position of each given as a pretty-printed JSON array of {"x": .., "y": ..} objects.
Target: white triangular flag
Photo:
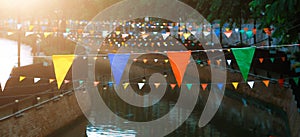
[
  {"x": 85, "y": 34},
  {"x": 155, "y": 60},
  {"x": 9, "y": 33},
  {"x": 194, "y": 32},
  {"x": 229, "y": 62},
  {"x": 206, "y": 33},
  {"x": 251, "y": 84},
  {"x": 141, "y": 85},
  {"x": 19, "y": 26},
  {"x": 156, "y": 85},
  {"x": 35, "y": 80},
  {"x": 166, "y": 35},
  {"x": 28, "y": 33}
]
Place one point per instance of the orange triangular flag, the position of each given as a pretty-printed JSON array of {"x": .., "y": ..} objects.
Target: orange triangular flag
[
  {"x": 283, "y": 59},
  {"x": 204, "y": 86},
  {"x": 261, "y": 60},
  {"x": 173, "y": 86},
  {"x": 179, "y": 62},
  {"x": 266, "y": 82},
  {"x": 235, "y": 84}
]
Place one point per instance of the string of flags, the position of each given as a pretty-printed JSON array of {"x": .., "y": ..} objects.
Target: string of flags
[{"x": 178, "y": 60}]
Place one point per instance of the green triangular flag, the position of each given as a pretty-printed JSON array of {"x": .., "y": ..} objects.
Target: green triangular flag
[
  {"x": 296, "y": 79},
  {"x": 244, "y": 58},
  {"x": 189, "y": 86},
  {"x": 272, "y": 59}
]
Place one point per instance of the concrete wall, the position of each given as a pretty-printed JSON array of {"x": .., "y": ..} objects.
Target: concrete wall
[{"x": 42, "y": 120}]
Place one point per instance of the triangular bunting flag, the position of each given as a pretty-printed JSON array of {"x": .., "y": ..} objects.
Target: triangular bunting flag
[
  {"x": 296, "y": 80},
  {"x": 229, "y": 62},
  {"x": 51, "y": 80},
  {"x": 244, "y": 58},
  {"x": 46, "y": 34},
  {"x": 249, "y": 33},
  {"x": 235, "y": 84},
  {"x": 272, "y": 60},
  {"x": 35, "y": 80},
  {"x": 141, "y": 85},
  {"x": 186, "y": 35},
  {"x": 204, "y": 86},
  {"x": 173, "y": 86},
  {"x": 251, "y": 84},
  {"x": 28, "y": 33},
  {"x": 244, "y": 102},
  {"x": 206, "y": 33},
  {"x": 266, "y": 82},
  {"x": 155, "y": 60},
  {"x": 179, "y": 62},
  {"x": 66, "y": 81},
  {"x": 62, "y": 64},
  {"x": 10, "y": 33},
  {"x": 156, "y": 85},
  {"x": 261, "y": 60},
  {"x": 22, "y": 78},
  {"x": 194, "y": 32},
  {"x": 80, "y": 82},
  {"x": 283, "y": 59},
  {"x": 118, "y": 63},
  {"x": 281, "y": 82},
  {"x": 220, "y": 85},
  {"x": 96, "y": 83},
  {"x": 228, "y": 33},
  {"x": 166, "y": 60},
  {"x": 165, "y": 36},
  {"x": 189, "y": 86},
  {"x": 125, "y": 85}
]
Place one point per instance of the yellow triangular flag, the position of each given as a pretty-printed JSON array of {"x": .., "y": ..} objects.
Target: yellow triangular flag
[
  {"x": 125, "y": 85},
  {"x": 22, "y": 78},
  {"x": 235, "y": 84},
  {"x": 62, "y": 64}
]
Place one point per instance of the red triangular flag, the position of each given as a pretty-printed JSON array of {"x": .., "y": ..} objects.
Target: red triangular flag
[
  {"x": 179, "y": 62},
  {"x": 283, "y": 59},
  {"x": 204, "y": 86},
  {"x": 280, "y": 82}
]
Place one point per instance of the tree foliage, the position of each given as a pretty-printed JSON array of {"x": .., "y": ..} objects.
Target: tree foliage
[{"x": 283, "y": 15}]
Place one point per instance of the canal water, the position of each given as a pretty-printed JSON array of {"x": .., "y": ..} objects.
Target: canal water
[
  {"x": 9, "y": 49},
  {"x": 233, "y": 119}
]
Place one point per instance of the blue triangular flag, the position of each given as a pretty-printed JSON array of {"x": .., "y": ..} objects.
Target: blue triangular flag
[
  {"x": 118, "y": 63},
  {"x": 189, "y": 86},
  {"x": 220, "y": 85}
]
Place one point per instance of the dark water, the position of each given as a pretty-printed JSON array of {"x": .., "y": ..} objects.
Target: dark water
[{"x": 233, "y": 119}]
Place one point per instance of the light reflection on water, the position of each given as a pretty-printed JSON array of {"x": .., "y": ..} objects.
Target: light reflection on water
[
  {"x": 9, "y": 49},
  {"x": 108, "y": 131}
]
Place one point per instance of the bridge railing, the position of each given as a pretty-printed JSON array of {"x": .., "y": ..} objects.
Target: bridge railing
[{"x": 16, "y": 109}]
